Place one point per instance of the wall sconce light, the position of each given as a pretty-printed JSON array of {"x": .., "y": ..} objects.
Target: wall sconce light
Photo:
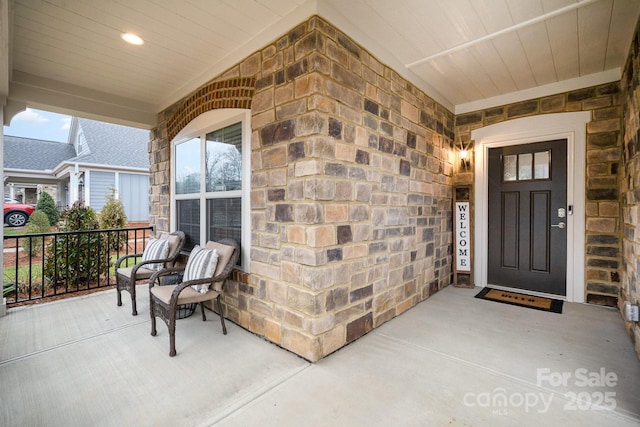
[{"x": 465, "y": 157}]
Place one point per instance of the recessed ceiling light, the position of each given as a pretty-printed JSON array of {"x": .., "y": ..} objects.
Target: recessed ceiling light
[{"x": 132, "y": 39}]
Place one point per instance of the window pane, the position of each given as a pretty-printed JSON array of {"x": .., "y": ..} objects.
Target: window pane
[
  {"x": 225, "y": 219},
  {"x": 188, "y": 167},
  {"x": 509, "y": 168},
  {"x": 189, "y": 221},
  {"x": 224, "y": 159},
  {"x": 541, "y": 161},
  {"x": 524, "y": 166}
]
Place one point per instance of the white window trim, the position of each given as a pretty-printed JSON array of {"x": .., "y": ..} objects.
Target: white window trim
[
  {"x": 571, "y": 126},
  {"x": 205, "y": 123}
]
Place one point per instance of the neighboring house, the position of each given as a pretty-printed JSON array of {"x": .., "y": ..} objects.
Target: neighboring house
[
  {"x": 99, "y": 158},
  {"x": 29, "y": 165}
]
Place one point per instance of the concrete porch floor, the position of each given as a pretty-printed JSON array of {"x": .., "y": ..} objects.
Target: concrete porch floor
[{"x": 451, "y": 360}]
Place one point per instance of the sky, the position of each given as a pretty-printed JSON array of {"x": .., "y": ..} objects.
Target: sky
[{"x": 37, "y": 124}]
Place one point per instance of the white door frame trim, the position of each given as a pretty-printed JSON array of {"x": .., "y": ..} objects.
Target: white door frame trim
[{"x": 571, "y": 126}]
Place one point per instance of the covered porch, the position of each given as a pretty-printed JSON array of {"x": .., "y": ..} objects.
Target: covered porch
[{"x": 451, "y": 360}]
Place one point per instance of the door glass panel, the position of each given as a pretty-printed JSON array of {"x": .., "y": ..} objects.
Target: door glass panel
[
  {"x": 510, "y": 165},
  {"x": 542, "y": 160},
  {"x": 524, "y": 166}
]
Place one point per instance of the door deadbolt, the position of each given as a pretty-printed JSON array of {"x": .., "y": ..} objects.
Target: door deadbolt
[
  {"x": 562, "y": 213},
  {"x": 560, "y": 225}
]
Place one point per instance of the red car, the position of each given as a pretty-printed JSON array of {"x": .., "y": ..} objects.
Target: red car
[{"x": 17, "y": 214}]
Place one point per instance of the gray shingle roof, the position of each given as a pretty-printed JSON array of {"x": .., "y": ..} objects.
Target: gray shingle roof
[
  {"x": 35, "y": 154},
  {"x": 114, "y": 145},
  {"x": 109, "y": 144}
]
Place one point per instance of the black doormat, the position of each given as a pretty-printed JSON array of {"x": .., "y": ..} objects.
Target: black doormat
[{"x": 521, "y": 300}]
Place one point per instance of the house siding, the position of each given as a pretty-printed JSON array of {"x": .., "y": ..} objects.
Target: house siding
[
  {"x": 101, "y": 184},
  {"x": 133, "y": 187},
  {"x": 351, "y": 192}
]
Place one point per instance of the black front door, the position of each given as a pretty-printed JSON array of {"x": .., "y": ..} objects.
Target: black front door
[{"x": 527, "y": 217}]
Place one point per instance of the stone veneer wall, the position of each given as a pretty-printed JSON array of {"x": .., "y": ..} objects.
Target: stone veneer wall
[
  {"x": 351, "y": 192},
  {"x": 604, "y": 155},
  {"x": 630, "y": 184}
]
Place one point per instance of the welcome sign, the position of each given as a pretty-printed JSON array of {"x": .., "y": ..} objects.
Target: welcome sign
[{"x": 463, "y": 247}]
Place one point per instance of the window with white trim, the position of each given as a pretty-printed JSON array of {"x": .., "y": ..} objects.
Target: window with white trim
[{"x": 210, "y": 180}]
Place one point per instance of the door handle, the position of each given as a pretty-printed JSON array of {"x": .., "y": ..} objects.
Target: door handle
[{"x": 560, "y": 225}]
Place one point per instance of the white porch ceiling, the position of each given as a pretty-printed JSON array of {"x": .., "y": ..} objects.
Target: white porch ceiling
[{"x": 67, "y": 55}]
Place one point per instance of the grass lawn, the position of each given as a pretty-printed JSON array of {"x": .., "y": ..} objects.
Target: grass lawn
[
  {"x": 9, "y": 275},
  {"x": 12, "y": 231}
]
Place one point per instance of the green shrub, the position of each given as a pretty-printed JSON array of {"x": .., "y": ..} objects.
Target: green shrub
[
  {"x": 77, "y": 258},
  {"x": 47, "y": 205},
  {"x": 80, "y": 217},
  {"x": 38, "y": 223},
  {"x": 113, "y": 216}
]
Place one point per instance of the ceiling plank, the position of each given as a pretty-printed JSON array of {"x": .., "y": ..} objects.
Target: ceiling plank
[
  {"x": 537, "y": 48},
  {"x": 250, "y": 11},
  {"x": 410, "y": 33},
  {"x": 281, "y": 7},
  {"x": 492, "y": 64},
  {"x": 468, "y": 65},
  {"x": 623, "y": 20},
  {"x": 514, "y": 57},
  {"x": 464, "y": 20},
  {"x": 522, "y": 11},
  {"x": 433, "y": 73},
  {"x": 375, "y": 17},
  {"x": 494, "y": 14},
  {"x": 563, "y": 40},
  {"x": 593, "y": 29}
]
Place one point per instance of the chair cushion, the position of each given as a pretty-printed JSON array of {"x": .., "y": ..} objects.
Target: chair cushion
[
  {"x": 187, "y": 296},
  {"x": 200, "y": 265},
  {"x": 156, "y": 249},
  {"x": 174, "y": 242},
  {"x": 224, "y": 255},
  {"x": 142, "y": 273}
]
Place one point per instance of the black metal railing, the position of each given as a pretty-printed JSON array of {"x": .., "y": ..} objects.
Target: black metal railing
[{"x": 45, "y": 265}]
